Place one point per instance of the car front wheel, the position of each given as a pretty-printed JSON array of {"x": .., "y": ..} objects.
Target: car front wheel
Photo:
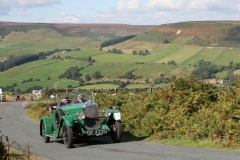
[
  {"x": 45, "y": 138},
  {"x": 116, "y": 132},
  {"x": 67, "y": 135}
]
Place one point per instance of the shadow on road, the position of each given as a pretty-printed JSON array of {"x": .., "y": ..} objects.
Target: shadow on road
[{"x": 126, "y": 138}]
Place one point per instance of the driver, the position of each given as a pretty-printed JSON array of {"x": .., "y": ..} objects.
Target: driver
[{"x": 65, "y": 100}]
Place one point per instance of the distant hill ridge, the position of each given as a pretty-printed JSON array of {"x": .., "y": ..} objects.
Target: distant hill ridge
[
  {"x": 110, "y": 29},
  {"x": 203, "y": 33}
]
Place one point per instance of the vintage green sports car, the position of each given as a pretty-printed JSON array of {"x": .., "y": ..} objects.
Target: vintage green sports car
[{"x": 76, "y": 120}]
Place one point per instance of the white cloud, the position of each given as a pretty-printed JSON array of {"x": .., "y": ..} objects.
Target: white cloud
[
  {"x": 129, "y": 5},
  {"x": 70, "y": 18},
  {"x": 5, "y": 6},
  {"x": 37, "y": 3},
  {"x": 162, "y": 4}
]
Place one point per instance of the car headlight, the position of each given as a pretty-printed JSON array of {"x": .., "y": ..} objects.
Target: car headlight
[
  {"x": 106, "y": 112},
  {"x": 80, "y": 115}
]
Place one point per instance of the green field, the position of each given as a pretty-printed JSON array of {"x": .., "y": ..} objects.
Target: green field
[
  {"x": 42, "y": 40},
  {"x": 181, "y": 55},
  {"x": 128, "y": 46},
  {"x": 228, "y": 55},
  {"x": 100, "y": 86},
  {"x": 113, "y": 58},
  {"x": 110, "y": 65},
  {"x": 152, "y": 70},
  {"x": 119, "y": 69},
  {"x": 180, "y": 71},
  {"x": 208, "y": 54}
]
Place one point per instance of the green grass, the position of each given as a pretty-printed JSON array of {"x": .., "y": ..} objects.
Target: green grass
[
  {"x": 145, "y": 85},
  {"x": 227, "y": 56},
  {"x": 165, "y": 51},
  {"x": 81, "y": 54},
  {"x": 181, "y": 55},
  {"x": 100, "y": 86},
  {"x": 119, "y": 69},
  {"x": 179, "y": 71},
  {"x": 157, "y": 54},
  {"x": 182, "y": 40},
  {"x": 152, "y": 71},
  {"x": 112, "y": 58},
  {"x": 128, "y": 46},
  {"x": 52, "y": 70},
  {"x": 207, "y": 54},
  {"x": 26, "y": 67},
  {"x": 155, "y": 37},
  {"x": 225, "y": 73},
  {"x": 42, "y": 40},
  {"x": 91, "y": 69},
  {"x": 8, "y": 82}
]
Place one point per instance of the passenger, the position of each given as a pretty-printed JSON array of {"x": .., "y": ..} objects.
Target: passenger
[
  {"x": 80, "y": 99},
  {"x": 65, "y": 100}
]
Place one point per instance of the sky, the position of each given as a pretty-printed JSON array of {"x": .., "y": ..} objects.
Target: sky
[{"x": 134, "y": 12}]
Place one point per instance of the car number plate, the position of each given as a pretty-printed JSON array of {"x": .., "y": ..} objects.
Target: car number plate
[{"x": 97, "y": 131}]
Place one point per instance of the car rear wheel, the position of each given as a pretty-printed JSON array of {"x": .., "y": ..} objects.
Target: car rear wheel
[
  {"x": 67, "y": 135},
  {"x": 45, "y": 138},
  {"x": 116, "y": 132}
]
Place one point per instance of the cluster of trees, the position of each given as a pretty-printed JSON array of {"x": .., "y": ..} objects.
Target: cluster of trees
[
  {"x": 6, "y": 30},
  {"x": 115, "y": 50},
  {"x": 206, "y": 70},
  {"x": 85, "y": 59},
  {"x": 172, "y": 62},
  {"x": 130, "y": 75},
  {"x": 96, "y": 75},
  {"x": 16, "y": 61},
  {"x": 165, "y": 41},
  {"x": 72, "y": 73},
  {"x": 141, "y": 52},
  {"x": 115, "y": 41}
]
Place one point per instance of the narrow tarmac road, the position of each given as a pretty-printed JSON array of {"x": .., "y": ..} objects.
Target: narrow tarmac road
[{"x": 20, "y": 128}]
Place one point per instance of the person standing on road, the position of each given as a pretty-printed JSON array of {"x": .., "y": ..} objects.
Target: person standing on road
[{"x": 23, "y": 98}]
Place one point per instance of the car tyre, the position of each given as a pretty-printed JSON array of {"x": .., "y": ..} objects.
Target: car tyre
[
  {"x": 46, "y": 139},
  {"x": 67, "y": 135},
  {"x": 59, "y": 114},
  {"x": 116, "y": 132}
]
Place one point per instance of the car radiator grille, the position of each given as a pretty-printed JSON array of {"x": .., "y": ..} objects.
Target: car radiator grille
[{"x": 92, "y": 113}]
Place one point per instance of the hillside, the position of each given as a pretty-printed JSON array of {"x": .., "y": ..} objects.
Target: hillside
[
  {"x": 212, "y": 33},
  {"x": 188, "y": 43},
  {"x": 85, "y": 29}
]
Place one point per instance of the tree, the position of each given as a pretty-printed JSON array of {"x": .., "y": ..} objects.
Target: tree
[
  {"x": 119, "y": 51},
  {"x": 146, "y": 51},
  {"x": 134, "y": 52},
  {"x": 114, "y": 50},
  {"x": 140, "y": 52},
  {"x": 49, "y": 78},
  {"x": 97, "y": 75},
  {"x": 147, "y": 80},
  {"x": 129, "y": 75},
  {"x": 81, "y": 82},
  {"x": 165, "y": 41},
  {"x": 87, "y": 77}
]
